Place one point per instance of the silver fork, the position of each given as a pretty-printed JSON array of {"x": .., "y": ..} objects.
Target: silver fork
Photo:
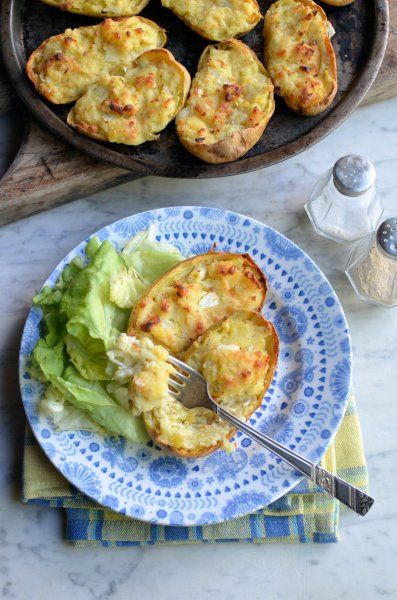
[{"x": 191, "y": 389}]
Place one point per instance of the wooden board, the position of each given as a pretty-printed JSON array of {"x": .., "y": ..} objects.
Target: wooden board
[
  {"x": 47, "y": 172},
  {"x": 385, "y": 85}
]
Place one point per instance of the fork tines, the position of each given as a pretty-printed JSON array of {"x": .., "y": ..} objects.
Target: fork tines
[{"x": 178, "y": 378}]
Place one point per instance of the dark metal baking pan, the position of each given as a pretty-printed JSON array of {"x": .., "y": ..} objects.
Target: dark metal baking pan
[{"x": 359, "y": 43}]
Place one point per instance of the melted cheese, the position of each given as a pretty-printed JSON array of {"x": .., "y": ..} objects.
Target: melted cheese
[
  {"x": 145, "y": 367},
  {"x": 230, "y": 92},
  {"x": 237, "y": 357},
  {"x": 217, "y": 19},
  {"x": 66, "y": 65},
  {"x": 133, "y": 108},
  {"x": 100, "y": 8},
  {"x": 176, "y": 310},
  {"x": 298, "y": 54},
  {"x": 234, "y": 357},
  {"x": 189, "y": 430}
]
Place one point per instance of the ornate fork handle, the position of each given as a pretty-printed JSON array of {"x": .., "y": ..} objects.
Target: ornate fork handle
[{"x": 336, "y": 487}]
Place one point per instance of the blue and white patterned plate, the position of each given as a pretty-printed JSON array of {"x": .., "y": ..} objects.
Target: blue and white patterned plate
[{"x": 302, "y": 409}]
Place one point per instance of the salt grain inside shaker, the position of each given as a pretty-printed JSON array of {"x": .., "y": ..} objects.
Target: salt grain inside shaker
[
  {"x": 372, "y": 267},
  {"x": 345, "y": 205}
]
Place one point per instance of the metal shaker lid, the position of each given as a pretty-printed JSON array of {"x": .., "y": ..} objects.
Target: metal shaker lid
[
  {"x": 386, "y": 236},
  {"x": 353, "y": 175}
]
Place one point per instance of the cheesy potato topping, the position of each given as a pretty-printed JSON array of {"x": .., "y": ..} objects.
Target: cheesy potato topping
[
  {"x": 234, "y": 357},
  {"x": 187, "y": 431},
  {"x": 299, "y": 56},
  {"x": 194, "y": 295},
  {"x": 131, "y": 109},
  {"x": 143, "y": 365},
  {"x": 236, "y": 351},
  {"x": 217, "y": 19},
  {"x": 66, "y": 65},
  {"x": 230, "y": 92},
  {"x": 238, "y": 358},
  {"x": 100, "y": 8}
]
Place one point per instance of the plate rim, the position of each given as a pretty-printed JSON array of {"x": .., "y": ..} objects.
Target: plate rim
[{"x": 74, "y": 251}]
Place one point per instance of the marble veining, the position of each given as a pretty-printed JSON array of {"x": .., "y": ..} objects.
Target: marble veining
[{"x": 36, "y": 563}]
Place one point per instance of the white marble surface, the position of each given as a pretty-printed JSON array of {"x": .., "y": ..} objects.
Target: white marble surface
[{"x": 35, "y": 562}]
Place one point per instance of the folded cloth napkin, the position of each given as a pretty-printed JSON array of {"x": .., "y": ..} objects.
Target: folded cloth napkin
[{"x": 306, "y": 514}]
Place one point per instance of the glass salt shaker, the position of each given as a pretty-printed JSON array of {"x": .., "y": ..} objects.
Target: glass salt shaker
[
  {"x": 345, "y": 205},
  {"x": 372, "y": 267}
]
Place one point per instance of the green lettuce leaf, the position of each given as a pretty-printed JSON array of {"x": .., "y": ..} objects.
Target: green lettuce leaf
[
  {"x": 49, "y": 299},
  {"x": 83, "y": 314},
  {"x": 92, "y": 397},
  {"x": 64, "y": 415},
  {"x": 150, "y": 259},
  {"x": 92, "y": 246},
  {"x": 51, "y": 360},
  {"x": 126, "y": 287},
  {"x": 88, "y": 355},
  {"x": 86, "y": 302}
]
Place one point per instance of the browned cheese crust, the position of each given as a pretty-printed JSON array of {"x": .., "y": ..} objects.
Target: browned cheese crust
[
  {"x": 299, "y": 55},
  {"x": 230, "y": 103},
  {"x": 217, "y": 20},
  {"x": 194, "y": 295},
  {"x": 238, "y": 357},
  {"x": 100, "y": 8},
  {"x": 64, "y": 66},
  {"x": 135, "y": 107}
]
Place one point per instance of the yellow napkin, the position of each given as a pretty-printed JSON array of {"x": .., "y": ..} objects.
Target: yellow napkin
[{"x": 306, "y": 514}]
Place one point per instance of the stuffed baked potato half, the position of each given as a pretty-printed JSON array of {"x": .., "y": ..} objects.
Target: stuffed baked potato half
[
  {"x": 238, "y": 357},
  {"x": 135, "y": 107},
  {"x": 100, "y": 8},
  {"x": 230, "y": 103},
  {"x": 195, "y": 294},
  {"x": 299, "y": 55},
  {"x": 217, "y": 20},
  {"x": 64, "y": 66}
]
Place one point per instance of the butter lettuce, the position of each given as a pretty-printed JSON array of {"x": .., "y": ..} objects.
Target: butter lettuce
[
  {"x": 86, "y": 302},
  {"x": 72, "y": 400},
  {"x": 88, "y": 356},
  {"x": 91, "y": 396},
  {"x": 63, "y": 414},
  {"x": 49, "y": 299},
  {"x": 51, "y": 360},
  {"x": 126, "y": 287},
  {"x": 83, "y": 314},
  {"x": 150, "y": 259}
]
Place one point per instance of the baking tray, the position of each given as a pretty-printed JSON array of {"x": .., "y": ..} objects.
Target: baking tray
[{"x": 359, "y": 44}]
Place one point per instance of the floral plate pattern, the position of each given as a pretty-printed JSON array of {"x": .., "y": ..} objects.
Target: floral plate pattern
[{"x": 302, "y": 408}]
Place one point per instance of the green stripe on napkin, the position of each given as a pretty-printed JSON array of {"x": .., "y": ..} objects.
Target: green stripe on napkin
[{"x": 306, "y": 514}]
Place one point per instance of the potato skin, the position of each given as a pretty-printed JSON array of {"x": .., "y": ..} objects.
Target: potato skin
[
  {"x": 91, "y": 8},
  {"x": 299, "y": 55},
  {"x": 120, "y": 108},
  {"x": 215, "y": 20},
  {"x": 228, "y": 150},
  {"x": 65, "y": 65},
  {"x": 210, "y": 125},
  {"x": 181, "y": 452},
  {"x": 261, "y": 327},
  {"x": 177, "y": 292}
]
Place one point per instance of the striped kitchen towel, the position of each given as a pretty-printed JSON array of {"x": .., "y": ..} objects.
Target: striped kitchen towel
[{"x": 306, "y": 514}]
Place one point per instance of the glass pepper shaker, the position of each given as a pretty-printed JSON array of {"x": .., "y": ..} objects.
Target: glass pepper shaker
[
  {"x": 372, "y": 267},
  {"x": 345, "y": 205}
]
